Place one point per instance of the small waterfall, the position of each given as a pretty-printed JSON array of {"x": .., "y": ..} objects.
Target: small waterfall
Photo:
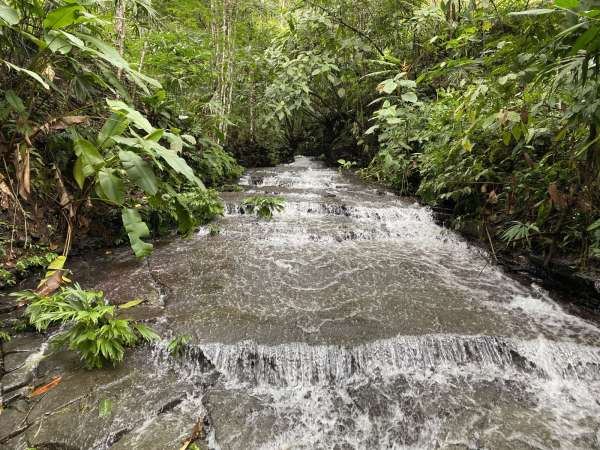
[{"x": 302, "y": 364}]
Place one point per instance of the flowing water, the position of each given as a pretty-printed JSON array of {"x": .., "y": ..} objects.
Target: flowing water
[{"x": 349, "y": 321}]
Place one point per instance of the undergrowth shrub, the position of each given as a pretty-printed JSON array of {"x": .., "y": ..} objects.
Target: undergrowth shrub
[
  {"x": 264, "y": 206},
  {"x": 90, "y": 325},
  {"x": 199, "y": 206}
]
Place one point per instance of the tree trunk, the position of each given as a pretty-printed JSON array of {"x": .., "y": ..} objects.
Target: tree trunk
[{"x": 120, "y": 29}]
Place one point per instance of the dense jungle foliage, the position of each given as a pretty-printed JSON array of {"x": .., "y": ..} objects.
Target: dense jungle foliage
[
  {"x": 120, "y": 120},
  {"x": 488, "y": 111}
]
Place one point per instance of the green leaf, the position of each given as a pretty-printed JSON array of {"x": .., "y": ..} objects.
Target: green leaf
[
  {"x": 506, "y": 78},
  {"x": 175, "y": 141},
  {"x": 594, "y": 226},
  {"x": 105, "y": 408},
  {"x": 57, "y": 43},
  {"x": 388, "y": 86},
  {"x": 139, "y": 171},
  {"x": 136, "y": 230},
  {"x": 115, "y": 125},
  {"x": 189, "y": 139},
  {"x": 138, "y": 119},
  {"x": 567, "y": 4},
  {"x": 586, "y": 38},
  {"x": 131, "y": 304},
  {"x": 58, "y": 263},
  {"x": 63, "y": 17},
  {"x": 146, "y": 332},
  {"x": 176, "y": 163},
  {"x": 112, "y": 186},
  {"x": 15, "y": 101},
  {"x": 467, "y": 144},
  {"x": 91, "y": 159},
  {"x": 105, "y": 51},
  {"x": 156, "y": 135},
  {"x": 74, "y": 40},
  {"x": 533, "y": 12},
  {"x": 32, "y": 74},
  {"x": 141, "y": 80},
  {"x": 372, "y": 129},
  {"x": 9, "y": 15},
  {"x": 78, "y": 173},
  {"x": 185, "y": 222},
  {"x": 410, "y": 97}
]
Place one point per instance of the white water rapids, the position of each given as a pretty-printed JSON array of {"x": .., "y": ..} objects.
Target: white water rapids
[{"x": 351, "y": 320}]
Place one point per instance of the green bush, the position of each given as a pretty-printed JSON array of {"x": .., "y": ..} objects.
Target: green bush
[
  {"x": 178, "y": 345},
  {"x": 91, "y": 327},
  {"x": 196, "y": 207},
  {"x": 264, "y": 206},
  {"x": 6, "y": 279}
]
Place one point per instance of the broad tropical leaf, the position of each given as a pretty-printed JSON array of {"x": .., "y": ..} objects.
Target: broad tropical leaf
[
  {"x": 139, "y": 171},
  {"x": 136, "y": 230}
]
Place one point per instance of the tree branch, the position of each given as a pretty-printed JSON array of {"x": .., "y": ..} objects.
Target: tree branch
[{"x": 350, "y": 27}]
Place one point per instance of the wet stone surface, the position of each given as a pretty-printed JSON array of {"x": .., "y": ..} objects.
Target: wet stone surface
[{"x": 349, "y": 321}]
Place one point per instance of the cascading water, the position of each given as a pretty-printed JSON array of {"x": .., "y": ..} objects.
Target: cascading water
[{"x": 349, "y": 321}]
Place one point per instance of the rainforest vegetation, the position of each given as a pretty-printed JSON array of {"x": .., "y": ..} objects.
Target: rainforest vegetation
[{"x": 121, "y": 120}]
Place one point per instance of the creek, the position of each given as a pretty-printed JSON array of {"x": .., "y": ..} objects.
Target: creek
[{"x": 351, "y": 320}]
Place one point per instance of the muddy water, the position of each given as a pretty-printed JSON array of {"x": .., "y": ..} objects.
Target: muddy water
[{"x": 349, "y": 321}]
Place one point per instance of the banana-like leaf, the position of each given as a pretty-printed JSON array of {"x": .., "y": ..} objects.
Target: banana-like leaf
[
  {"x": 176, "y": 163},
  {"x": 9, "y": 15},
  {"x": 112, "y": 188},
  {"x": 139, "y": 171},
  {"x": 88, "y": 162},
  {"x": 32, "y": 74},
  {"x": 63, "y": 17},
  {"x": 57, "y": 43},
  {"x": 146, "y": 332},
  {"x": 136, "y": 230},
  {"x": 131, "y": 304},
  {"x": 104, "y": 51},
  {"x": 138, "y": 119},
  {"x": 115, "y": 125}
]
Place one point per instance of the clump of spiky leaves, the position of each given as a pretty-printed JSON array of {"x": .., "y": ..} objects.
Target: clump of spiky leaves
[
  {"x": 519, "y": 232},
  {"x": 91, "y": 326},
  {"x": 178, "y": 345},
  {"x": 4, "y": 336},
  {"x": 264, "y": 206}
]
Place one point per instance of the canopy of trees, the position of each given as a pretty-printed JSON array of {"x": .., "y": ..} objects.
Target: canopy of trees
[{"x": 116, "y": 118}]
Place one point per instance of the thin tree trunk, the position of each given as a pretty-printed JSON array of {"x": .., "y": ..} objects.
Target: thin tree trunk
[{"x": 120, "y": 29}]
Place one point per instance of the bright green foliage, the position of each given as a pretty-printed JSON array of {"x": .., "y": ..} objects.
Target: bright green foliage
[
  {"x": 483, "y": 109},
  {"x": 7, "y": 278},
  {"x": 71, "y": 120},
  {"x": 35, "y": 262},
  {"x": 214, "y": 164},
  {"x": 203, "y": 206},
  {"x": 178, "y": 345},
  {"x": 120, "y": 157},
  {"x": 4, "y": 336},
  {"x": 346, "y": 165},
  {"x": 190, "y": 208},
  {"x": 520, "y": 233},
  {"x": 91, "y": 326},
  {"x": 264, "y": 206},
  {"x": 37, "y": 257}
]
